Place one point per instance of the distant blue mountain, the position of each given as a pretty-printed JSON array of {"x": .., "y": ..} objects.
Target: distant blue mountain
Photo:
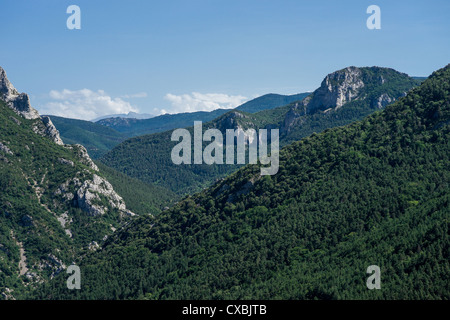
[
  {"x": 137, "y": 127},
  {"x": 131, "y": 114}
]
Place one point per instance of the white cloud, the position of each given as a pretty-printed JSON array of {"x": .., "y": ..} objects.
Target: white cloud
[
  {"x": 202, "y": 102},
  {"x": 135, "y": 95},
  {"x": 84, "y": 104}
]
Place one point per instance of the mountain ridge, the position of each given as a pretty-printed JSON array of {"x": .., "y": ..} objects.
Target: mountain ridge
[
  {"x": 148, "y": 157},
  {"x": 131, "y": 114},
  {"x": 136, "y": 127},
  {"x": 374, "y": 192}
]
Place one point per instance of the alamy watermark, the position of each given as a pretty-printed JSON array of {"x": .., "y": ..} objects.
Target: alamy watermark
[
  {"x": 374, "y": 281},
  {"x": 213, "y": 153},
  {"x": 74, "y": 20},
  {"x": 374, "y": 21},
  {"x": 74, "y": 281}
]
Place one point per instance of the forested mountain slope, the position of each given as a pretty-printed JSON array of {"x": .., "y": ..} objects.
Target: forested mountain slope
[
  {"x": 375, "y": 192},
  {"x": 140, "y": 197},
  {"x": 54, "y": 201},
  {"x": 345, "y": 96},
  {"x": 270, "y": 101},
  {"x": 97, "y": 139}
]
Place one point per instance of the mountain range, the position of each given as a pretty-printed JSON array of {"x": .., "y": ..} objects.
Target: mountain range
[
  {"x": 373, "y": 192},
  {"x": 102, "y": 134},
  {"x": 344, "y": 96},
  {"x": 137, "y": 127},
  {"x": 363, "y": 180},
  {"x": 130, "y": 114}
]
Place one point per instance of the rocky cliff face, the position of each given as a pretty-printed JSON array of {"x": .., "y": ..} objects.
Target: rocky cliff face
[
  {"x": 19, "y": 102},
  {"x": 44, "y": 127},
  {"x": 51, "y": 131},
  {"x": 83, "y": 155},
  {"x": 91, "y": 193},
  {"x": 336, "y": 89},
  {"x": 371, "y": 85},
  {"x": 231, "y": 120}
]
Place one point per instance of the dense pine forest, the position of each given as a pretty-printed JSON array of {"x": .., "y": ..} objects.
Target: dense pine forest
[{"x": 374, "y": 192}]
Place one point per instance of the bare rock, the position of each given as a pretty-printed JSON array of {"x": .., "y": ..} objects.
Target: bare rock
[
  {"x": 51, "y": 131},
  {"x": 19, "y": 102},
  {"x": 5, "y": 149},
  {"x": 66, "y": 162},
  {"x": 83, "y": 155},
  {"x": 383, "y": 101},
  {"x": 89, "y": 197},
  {"x": 93, "y": 246},
  {"x": 337, "y": 88}
]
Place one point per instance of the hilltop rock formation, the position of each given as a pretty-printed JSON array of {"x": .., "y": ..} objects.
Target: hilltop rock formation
[
  {"x": 19, "y": 102},
  {"x": 336, "y": 89},
  {"x": 370, "y": 84}
]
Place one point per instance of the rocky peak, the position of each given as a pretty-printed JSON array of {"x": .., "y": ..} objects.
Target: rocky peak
[
  {"x": 6, "y": 87},
  {"x": 230, "y": 120},
  {"x": 367, "y": 84},
  {"x": 90, "y": 192},
  {"x": 19, "y": 102},
  {"x": 336, "y": 89},
  {"x": 51, "y": 131}
]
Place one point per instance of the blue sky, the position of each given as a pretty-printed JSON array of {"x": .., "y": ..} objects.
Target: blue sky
[{"x": 173, "y": 56}]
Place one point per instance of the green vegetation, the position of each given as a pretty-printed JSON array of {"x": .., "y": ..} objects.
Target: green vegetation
[
  {"x": 270, "y": 101},
  {"x": 97, "y": 139},
  {"x": 148, "y": 157},
  {"x": 375, "y": 192},
  {"x": 32, "y": 169},
  {"x": 378, "y": 82},
  {"x": 141, "y": 198}
]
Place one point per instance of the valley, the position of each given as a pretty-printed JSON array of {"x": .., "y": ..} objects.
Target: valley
[{"x": 362, "y": 179}]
